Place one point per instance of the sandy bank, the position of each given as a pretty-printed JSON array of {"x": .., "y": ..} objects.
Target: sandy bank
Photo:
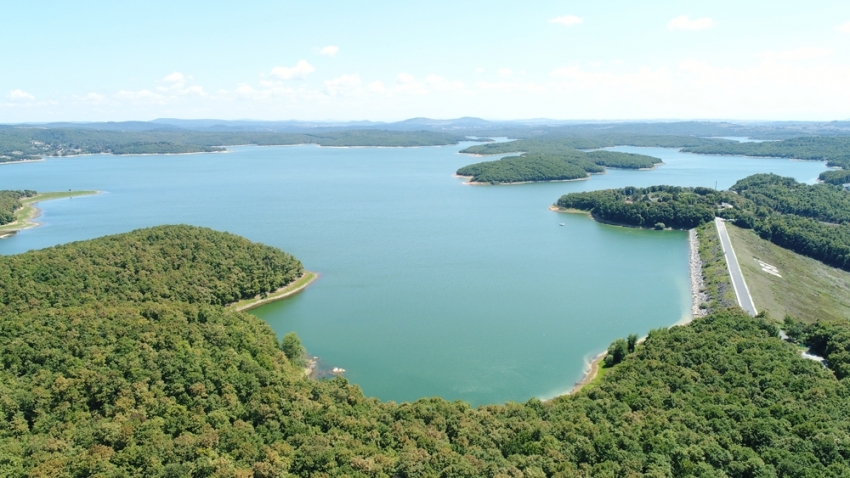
[
  {"x": 22, "y": 161},
  {"x": 475, "y": 183},
  {"x": 590, "y": 373},
  {"x": 286, "y": 291},
  {"x": 698, "y": 296},
  {"x": 26, "y": 215}
]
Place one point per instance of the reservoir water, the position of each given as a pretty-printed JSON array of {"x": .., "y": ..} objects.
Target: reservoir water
[{"x": 428, "y": 286}]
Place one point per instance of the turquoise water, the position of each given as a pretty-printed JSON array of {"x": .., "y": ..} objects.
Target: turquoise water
[{"x": 428, "y": 287}]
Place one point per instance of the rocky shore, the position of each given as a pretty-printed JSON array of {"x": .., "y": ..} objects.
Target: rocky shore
[{"x": 698, "y": 296}]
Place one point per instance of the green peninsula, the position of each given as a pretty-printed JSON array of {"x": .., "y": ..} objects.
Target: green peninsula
[
  {"x": 120, "y": 359},
  {"x": 812, "y": 220},
  {"x": 18, "y": 208},
  {"x": 562, "y": 166}
]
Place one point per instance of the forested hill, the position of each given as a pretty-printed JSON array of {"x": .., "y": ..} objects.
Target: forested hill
[
  {"x": 20, "y": 143},
  {"x": 812, "y": 220},
  {"x": 566, "y": 165},
  {"x": 10, "y": 201},
  {"x": 568, "y": 143},
  {"x": 179, "y": 263},
  {"x": 140, "y": 384}
]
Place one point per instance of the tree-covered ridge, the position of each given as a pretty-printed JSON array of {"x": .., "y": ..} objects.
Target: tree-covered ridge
[
  {"x": 835, "y": 176},
  {"x": 27, "y": 143},
  {"x": 181, "y": 263},
  {"x": 823, "y": 202},
  {"x": 829, "y": 339},
  {"x": 833, "y": 149},
  {"x": 567, "y": 165},
  {"x": 10, "y": 201},
  {"x": 567, "y": 143},
  {"x": 534, "y": 167}
]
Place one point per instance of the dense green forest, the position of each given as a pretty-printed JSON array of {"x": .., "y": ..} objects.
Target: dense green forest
[
  {"x": 112, "y": 379},
  {"x": 813, "y": 220},
  {"x": 178, "y": 263},
  {"x": 656, "y": 206},
  {"x": 567, "y": 144},
  {"x": 18, "y": 143},
  {"x": 565, "y": 165},
  {"x": 10, "y": 201},
  {"x": 833, "y": 149},
  {"x": 835, "y": 176},
  {"x": 532, "y": 167},
  {"x": 822, "y": 202}
]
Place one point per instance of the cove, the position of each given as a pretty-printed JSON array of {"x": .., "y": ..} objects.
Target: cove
[{"x": 429, "y": 287}]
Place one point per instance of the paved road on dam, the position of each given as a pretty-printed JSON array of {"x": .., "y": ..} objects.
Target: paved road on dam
[{"x": 738, "y": 283}]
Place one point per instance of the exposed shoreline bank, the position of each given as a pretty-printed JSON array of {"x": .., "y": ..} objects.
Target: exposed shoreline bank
[
  {"x": 475, "y": 183},
  {"x": 25, "y": 216},
  {"x": 284, "y": 292},
  {"x": 590, "y": 373},
  {"x": 19, "y": 161},
  {"x": 698, "y": 295}
]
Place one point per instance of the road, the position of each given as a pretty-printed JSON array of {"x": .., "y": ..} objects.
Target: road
[{"x": 738, "y": 283}]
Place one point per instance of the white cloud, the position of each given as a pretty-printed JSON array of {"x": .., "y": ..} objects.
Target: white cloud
[
  {"x": 568, "y": 20},
  {"x": 377, "y": 87},
  {"x": 175, "y": 78},
  {"x": 343, "y": 84},
  {"x": 245, "y": 90},
  {"x": 20, "y": 95},
  {"x": 140, "y": 96},
  {"x": 329, "y": 50},
  {"x": 479, "y": 70},
  {"x": 797, "y": 54},
  {"x": 441, "y": 84},
  {"x": 299, "y": 71},
  {"x": 406, "y": 83},
  {"x": 511, "y": 87},
  {"x": 684, "y": 22},
  {"x": 194, "y": 90},
  {"x": 844, "y": 27},
  {"x": 505, "y": 72}
]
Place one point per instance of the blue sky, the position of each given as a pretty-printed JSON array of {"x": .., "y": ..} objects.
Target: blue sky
[{"x": 382, "y": 60}]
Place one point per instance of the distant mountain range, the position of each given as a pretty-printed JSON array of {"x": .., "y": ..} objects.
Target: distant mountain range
[{"x": 472, "y": 126}]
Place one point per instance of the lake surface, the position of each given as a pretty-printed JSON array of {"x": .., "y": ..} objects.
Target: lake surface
[{"x": 428, "y": 287}]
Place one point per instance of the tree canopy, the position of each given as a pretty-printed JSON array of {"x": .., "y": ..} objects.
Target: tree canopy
[
  {"x": 10, "y": 201},
  {"x": 22, "y": 143},
  {"x": 570, "y": 164},
  {"x": 123, "y": 382}
]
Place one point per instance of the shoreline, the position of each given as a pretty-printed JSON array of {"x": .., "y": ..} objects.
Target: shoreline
[
  {"x": 698, "y": 296},
  {"x": 294, "y": 287},
  {"x": 19, "y": 161},
  {"x": 476, "y": 183},
  {"x": 29, "y": 212},
  {"x": 556, "y": 208},
  {"x": 590, "y": 373}
]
